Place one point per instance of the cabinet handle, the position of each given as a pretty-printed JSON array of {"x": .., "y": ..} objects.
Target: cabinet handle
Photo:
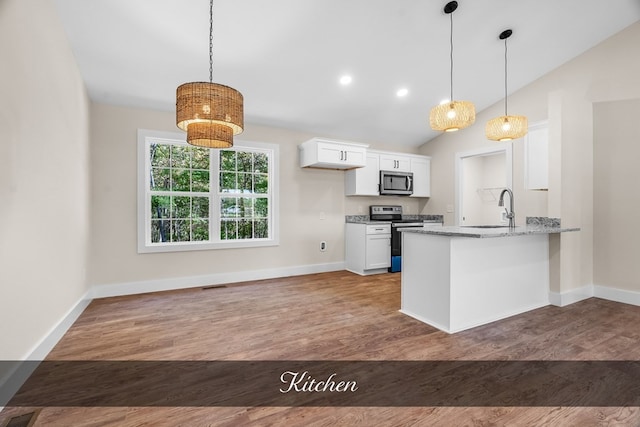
[
  {"x": 345, "y": 155},
  {"x": 341, "y": 155}
]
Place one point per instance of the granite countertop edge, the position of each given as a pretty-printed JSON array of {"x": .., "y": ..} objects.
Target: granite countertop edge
[
  {"x": 364, "y": 219},
  {"x": 455, "y": 231}
]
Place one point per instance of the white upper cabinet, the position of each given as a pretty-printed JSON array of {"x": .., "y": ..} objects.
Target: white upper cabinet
[
  {"x": 395, "y": 162},
  {"x": 365, "y": 181},
  {"x": 421, "y": 168},
  {"x": 536, "y": 157},
  {"x": 332, "y": 154}
]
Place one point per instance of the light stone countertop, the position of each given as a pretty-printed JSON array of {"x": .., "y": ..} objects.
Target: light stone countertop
[{"x": 456, "y": 231}]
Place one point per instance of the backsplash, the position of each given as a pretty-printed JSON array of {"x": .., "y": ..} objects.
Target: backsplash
[{"x": 544, "y": 221}]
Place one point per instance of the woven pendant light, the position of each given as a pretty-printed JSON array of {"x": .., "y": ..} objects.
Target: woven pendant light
[
  {"x": 210, "y": 113},
  {"x": 506, "y": 128},
  {"x": 452, "y": 115}
]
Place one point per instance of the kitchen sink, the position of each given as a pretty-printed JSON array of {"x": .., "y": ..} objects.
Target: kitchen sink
[{"x": 485, "y": 226}]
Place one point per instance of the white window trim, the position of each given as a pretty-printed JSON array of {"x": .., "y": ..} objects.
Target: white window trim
[{"x": 144, "y": 243}]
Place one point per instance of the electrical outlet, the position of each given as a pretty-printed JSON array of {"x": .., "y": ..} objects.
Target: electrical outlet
[
  {"x": 323, "y": 246},
  {"x": 449, "y": 208}
]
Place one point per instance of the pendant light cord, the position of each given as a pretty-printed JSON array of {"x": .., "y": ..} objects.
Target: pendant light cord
[
  {"x": 211, "y": 41},
  {"x": 505, "y": 77},
  {"x": 451, "y": 59}
]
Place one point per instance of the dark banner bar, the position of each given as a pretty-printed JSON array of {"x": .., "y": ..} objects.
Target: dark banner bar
[{"x": 328, "y": 383}]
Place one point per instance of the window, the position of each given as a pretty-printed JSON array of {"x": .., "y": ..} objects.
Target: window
[{"x": 194, "y": 198}]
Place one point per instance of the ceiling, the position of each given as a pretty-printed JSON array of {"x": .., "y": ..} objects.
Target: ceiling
[{"x": 286, "y": 56}]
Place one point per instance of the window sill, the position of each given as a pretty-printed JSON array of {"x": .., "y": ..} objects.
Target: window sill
[{"x": 205, "y": 246}]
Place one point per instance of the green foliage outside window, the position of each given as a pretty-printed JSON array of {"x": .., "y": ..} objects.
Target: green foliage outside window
[
  {"x": 246, "y": 173},
  {"x": 181, "y": 192}
]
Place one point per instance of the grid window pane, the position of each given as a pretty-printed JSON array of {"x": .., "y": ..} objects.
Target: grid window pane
[
  {"x": 180, "y": 230},
  {"x": 180, "y": 157},
  {"x": 160, "y": 206},
  {"x": 261, "y": 209},
  {"x": 200, "y": 181},
  {"x": 160, "y": 231},
  {"x": 227, "y": 160},
  {"x": 181, "y": 207},
  {"x": 228, "y": 207},
  {"x": 160, "y": 179},
  {"x": 228, "y": 229},
  {"x": 200, "y": 230},
  {"x": 200, "y": 207},
  {"x": 160, "y": 155},
  {"x": 245, "y": 182},
  {"x": 261, "y": 183},
  {"x": 245, "y": 229},
  {"x": 181, "y": 185},
  {"x": 228, "y": 182},
  {"x": 200, "y": 158},
  {"x": 261, "y": 229},
  {"x": 260, "y": 163},
  {"x": 181, "y": 180},
  {"x": 245, "y": 161}
]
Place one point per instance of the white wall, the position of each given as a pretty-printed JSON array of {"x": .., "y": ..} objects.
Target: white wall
[
  {"x": 43, "y": 176},
  {"x": 311, "y": 206},
  {"x": 609, "y": 71},
  {"x": 616, "y": 200}
]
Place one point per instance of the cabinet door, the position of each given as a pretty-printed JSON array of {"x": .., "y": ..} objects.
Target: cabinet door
[
  {"x": 421, "y": 168},
  {"x": 395, "y": 163},
  {"x": 330, "y": 153},
  {"x": 536, "y": 153},
  {"x": 378, "y": 251},
  {"x": 364, "y": 181},
  {"x": 355, "y": 156}
]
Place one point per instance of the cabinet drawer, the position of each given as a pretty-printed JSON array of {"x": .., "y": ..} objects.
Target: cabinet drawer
[{"x": 379, "y": 229}]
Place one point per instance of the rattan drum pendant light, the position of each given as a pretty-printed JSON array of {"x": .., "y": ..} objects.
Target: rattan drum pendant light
[
  {"x": 452, "y": 115},
  {"x": 506, "y": 128},
  {"x": 211, "y": 113}
]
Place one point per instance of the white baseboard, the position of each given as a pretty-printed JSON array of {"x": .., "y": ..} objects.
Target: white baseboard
[
  {"x": 132, "y": 288},
  {"x": 562, "y": 299},
  {"x": 618, "y": 295},
  {"x": 15, "y": 373}
]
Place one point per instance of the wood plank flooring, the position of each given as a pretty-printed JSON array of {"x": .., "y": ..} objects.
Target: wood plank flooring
[{"x": 333, "y": 316}]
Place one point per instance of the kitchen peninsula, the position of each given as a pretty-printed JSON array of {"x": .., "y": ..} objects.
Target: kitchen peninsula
[{"x": 456, "y": 278}]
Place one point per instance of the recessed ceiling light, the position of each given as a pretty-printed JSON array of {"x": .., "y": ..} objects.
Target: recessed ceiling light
[
  {"x": 402, "y": 92},
  {"x": 346, "y": 80}
]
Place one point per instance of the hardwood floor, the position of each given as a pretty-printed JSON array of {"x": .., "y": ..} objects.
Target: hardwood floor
[{"x": 333, "y": 316}]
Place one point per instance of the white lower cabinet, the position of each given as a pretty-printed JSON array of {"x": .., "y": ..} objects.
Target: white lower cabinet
[{"x": 368, "y": 248}]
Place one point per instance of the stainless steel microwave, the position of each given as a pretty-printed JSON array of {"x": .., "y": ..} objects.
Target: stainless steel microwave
[{"x": 396, "y": 183}]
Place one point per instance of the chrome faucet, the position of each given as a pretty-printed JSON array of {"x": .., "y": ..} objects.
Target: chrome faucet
[{"x": 510, "y": 213}]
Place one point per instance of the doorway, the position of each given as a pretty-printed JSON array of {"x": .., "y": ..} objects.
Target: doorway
[{"x": 480, "y": 177}]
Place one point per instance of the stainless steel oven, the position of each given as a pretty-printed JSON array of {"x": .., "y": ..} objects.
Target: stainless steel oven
[{"x": 393, "y": 214}]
